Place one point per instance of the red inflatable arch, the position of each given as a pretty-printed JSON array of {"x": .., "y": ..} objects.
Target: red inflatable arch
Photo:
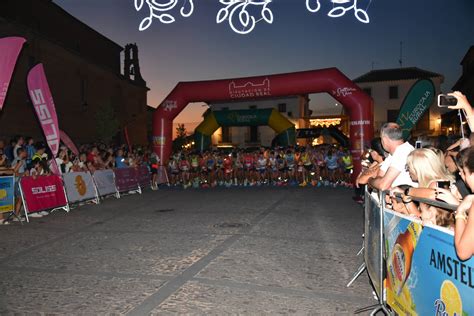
[{"x": 358, "y": 105}]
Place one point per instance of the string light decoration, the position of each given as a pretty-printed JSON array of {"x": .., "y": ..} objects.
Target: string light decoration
[
  {"x": 340, "y": 7},
  {"x": 158, "y": 10},
  {"x": 240, "y": 13},
  {"x": 246, "y": 21}
]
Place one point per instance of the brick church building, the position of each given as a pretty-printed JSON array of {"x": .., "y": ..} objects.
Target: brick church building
[{"x": 83, "y": 69}]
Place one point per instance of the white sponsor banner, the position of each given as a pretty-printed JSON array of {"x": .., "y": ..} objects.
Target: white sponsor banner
[
  {"x": 104, "y": 180},
  {"x": 79, "y": 186}
]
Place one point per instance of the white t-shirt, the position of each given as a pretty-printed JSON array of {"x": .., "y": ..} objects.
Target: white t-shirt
[{"x": 398, "y": 161}]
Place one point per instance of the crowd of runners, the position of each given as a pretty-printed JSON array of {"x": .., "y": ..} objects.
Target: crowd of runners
[{"x": 324, "y": 165}]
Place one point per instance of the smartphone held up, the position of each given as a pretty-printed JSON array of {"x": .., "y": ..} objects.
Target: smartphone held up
[{"x": 445, "y": 100}]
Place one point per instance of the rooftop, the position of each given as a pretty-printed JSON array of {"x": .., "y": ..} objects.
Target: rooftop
[{"x": 396, "y": 74}]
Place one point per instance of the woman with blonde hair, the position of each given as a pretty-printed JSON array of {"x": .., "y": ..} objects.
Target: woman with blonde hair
[{"x": 426, "y": 167}]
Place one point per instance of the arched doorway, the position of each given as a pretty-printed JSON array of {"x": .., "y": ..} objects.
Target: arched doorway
[
  {"x": 285, "y": 130},
  {"x": 358, "y": 105}
]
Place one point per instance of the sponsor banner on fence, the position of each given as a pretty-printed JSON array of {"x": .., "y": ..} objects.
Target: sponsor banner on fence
[
  {"x": 79, "y": 186},
  {"x": 372, "y": 240},
  {"x": 143, "y": 176},
  {"x": 162, "y": 175},
  {"x": 104, "y": 180},
  {"x": 125, "y": 179},
  {"x": 424, "y": 275},
  {"x": 7, "y": 194},
  {"x": 10, "y": 48},
  {"x": 43, "y": 193}
]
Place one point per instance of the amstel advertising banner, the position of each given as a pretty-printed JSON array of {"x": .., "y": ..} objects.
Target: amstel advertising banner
[{"x": 424, "y": 275}]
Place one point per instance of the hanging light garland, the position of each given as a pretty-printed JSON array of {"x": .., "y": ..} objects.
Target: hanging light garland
[
  {"x": 158, "y": 10},
  {"x": 246, "y": 20},
  {"x": 236, "y": 12}
]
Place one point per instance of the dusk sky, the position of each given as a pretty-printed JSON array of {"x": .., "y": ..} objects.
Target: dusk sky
[{"x": 436, "y": 34}]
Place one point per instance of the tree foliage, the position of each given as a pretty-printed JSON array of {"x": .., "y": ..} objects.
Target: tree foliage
[{"x": 107, "y": 123}]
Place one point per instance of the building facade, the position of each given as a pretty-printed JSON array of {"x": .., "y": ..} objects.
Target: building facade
[
  {"x": 389, "y": 87},
  {"x": 465, "y": 83},
  {"x": 83, "y": 69},
  {"x": 295, "y": 108}
]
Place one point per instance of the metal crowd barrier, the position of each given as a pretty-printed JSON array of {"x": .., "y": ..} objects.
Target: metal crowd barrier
[{"x": 413, "y": 268}]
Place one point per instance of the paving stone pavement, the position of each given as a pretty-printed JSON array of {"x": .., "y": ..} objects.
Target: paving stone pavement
[{"x": 214, "y": 252}]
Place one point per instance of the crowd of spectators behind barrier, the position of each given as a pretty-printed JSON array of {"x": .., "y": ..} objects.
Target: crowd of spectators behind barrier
[
  {"x": 25, "y": 157},
  {"x": 442, "y": 170}
]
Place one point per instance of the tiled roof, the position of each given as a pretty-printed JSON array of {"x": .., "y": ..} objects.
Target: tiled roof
[{"x": 396, "y": 74}]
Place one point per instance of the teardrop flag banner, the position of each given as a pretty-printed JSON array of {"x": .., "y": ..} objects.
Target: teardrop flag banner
[
  {"x": 417, "y": 101},
  {"x": 44, "y": 107},
  {"x": 68, "y": 142},
  {"x": 10, "y": 48}
]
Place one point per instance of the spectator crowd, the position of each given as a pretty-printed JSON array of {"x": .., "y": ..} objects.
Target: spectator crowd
[{"x": 436, "y": 170}]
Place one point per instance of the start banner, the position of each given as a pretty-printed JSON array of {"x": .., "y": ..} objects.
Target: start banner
[
  {"x": 424, "y": 275},
  {"x": 125, "y": 179},
  {"x": 104, "y": 180},
  {"x": 7, "y": 194},
  {"x": 43, "y": 193},
  {"x": 143, "y": 176},
  {"x": 79, "y": 186}
]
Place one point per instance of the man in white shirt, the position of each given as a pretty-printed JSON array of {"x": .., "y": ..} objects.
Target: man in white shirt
[{"x": 393, "y": 171}]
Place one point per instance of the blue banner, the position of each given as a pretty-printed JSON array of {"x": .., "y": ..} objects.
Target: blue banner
[
  {"x": 424, "y": 274},
  {"x": 7, "y": 194}
]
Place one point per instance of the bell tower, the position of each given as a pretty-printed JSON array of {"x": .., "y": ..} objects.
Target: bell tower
[{"x": 131, "y": 65}]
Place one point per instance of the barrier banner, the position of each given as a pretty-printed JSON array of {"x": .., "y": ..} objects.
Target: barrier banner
[
  {"x": 43, "y": 193},
  {"x": 424, "y": 275},
  {"x": 373, "y": 240},
  {"x": 162, "y": 175},
  {"x": 7, "y": 194},
  {"x": 125, "y": 179},
  {"x": 79, "y": 186},
  {"x": 104, "y": 181},
  {"x": 10, "y": 48},
  {"x": 143, "y": 176}
]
